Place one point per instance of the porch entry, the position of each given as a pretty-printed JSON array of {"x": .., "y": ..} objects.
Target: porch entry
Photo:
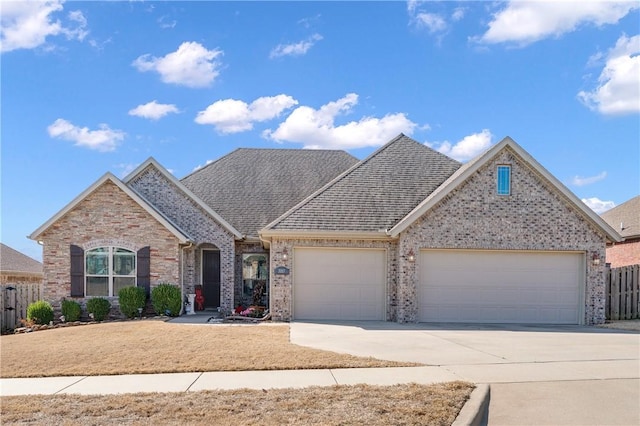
[{"x": 211, "y": 278}]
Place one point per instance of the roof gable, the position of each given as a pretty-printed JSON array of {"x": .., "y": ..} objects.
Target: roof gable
[
  {"x": 251, "y": 187},
  {"x": 13, "y": 261},
  {"x": 625, "y": 218},
  {"x": 464, "y": 172},
  {"x": 109, "y": 177},
  {"x": 373, "y": 195},
  {"x": 151, "y": 162}
]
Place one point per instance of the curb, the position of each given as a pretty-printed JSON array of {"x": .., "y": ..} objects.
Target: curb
[{"x": 475, "y": 411}]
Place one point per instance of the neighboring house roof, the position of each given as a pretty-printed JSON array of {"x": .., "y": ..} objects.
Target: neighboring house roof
[
  {"x": 375, "y": 194},
  {"x": 13, "y": 261},
  {"x": 625, "y": 218},
  {"x": 464, "y": 172},
  {"x": 252, "y": 187},
  {"x": 108, "y": 177},
  {"x": 151, "y": 162}
]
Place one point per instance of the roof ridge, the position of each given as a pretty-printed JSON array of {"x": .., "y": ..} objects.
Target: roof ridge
[{"x": 347, "y": 173}]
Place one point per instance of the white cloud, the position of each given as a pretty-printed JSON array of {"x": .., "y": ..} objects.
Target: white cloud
[
  {"x": 198, "y": 167},
  {"x": 315, "y": 128},
  {"x": 618, "y": 90},
  {"x": 466, "y": 148},
  {"x": 525, "y": 22},
  {"x": 192, "y": 65},
  {"x": 582, "y": 181},
  {"x": 125, "y": 168},
  {"x": 27, "y": 24},
  {"x": 233, "y": 116},
  {"x": 153, "y": 110},
  {"x": 598, "y": 205},
  {"x": 104, "y": 139},
  {"x": 432, "y": 21},
  {"x": 458, "y": 13},
  {"x": 295, "y": 49}
]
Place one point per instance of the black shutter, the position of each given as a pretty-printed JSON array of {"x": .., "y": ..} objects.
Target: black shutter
[
  {"x": 77, "y": 271},
  {"x": 144, "y": 269}
]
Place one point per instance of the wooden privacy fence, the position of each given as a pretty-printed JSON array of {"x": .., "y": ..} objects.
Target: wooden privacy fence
[
  {"x": 14, "y": 299},
  {"x": 622, "y": 293}
]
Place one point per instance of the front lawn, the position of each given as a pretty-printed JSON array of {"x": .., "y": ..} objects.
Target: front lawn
[
  {"x": 410, "y": 404},
  {"x": 138, "y": 347}
]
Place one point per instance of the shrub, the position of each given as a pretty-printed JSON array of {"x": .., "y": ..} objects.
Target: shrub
[
  {"x": 166, "y": 299},
  {"x": 99, "y": 307},
  {"x": 131, "y": 298},
  {"x": 40, "y": 312},
  {"x": 71, "y": 310}
]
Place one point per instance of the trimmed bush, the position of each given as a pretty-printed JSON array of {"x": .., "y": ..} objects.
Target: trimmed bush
[
  {"x": 130, "y": 299},
  {"x": 71, "y": 310},
  {"x": 40, "y": 312},
  {"x": 99, "y": 307},
  {"x": 166, "y": 299}
]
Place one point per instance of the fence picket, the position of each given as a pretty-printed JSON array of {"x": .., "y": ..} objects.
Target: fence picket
[
  {"x": 622, "y": 293},
  {"x": 14, "y": 302}
]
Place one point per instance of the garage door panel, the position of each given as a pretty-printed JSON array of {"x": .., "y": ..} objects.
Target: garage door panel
[
  {"x": 499, "y": 286},
  {"x": 339, "y": 284}
]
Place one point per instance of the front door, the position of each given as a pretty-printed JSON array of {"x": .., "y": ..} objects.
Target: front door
[{"x": 211, "y": 278}]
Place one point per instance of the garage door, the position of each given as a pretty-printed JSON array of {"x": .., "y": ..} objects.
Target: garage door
[
  {"x": 339, "y": 284},
  {"x": 500, "y": 286}
]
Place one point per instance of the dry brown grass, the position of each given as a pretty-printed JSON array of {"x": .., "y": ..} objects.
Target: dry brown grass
[
  {"x": 337, "y": 405},
  {"x": 135, "y": 347}
]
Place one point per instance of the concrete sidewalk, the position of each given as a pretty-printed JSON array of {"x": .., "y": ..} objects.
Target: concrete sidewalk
[{"x": 224, "y": 380}]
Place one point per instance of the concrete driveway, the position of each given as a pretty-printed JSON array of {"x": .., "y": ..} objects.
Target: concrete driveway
[{"x": 539, "y": 375}]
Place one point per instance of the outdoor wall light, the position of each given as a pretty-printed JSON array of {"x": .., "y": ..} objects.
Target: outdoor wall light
[
  {"x": 285, "y": 254},
  {"x": 411, "y": 257},
  {"x": 595, "y": 260}
]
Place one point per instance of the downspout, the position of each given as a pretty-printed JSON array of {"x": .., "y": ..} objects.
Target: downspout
[{"x": 182, "y": 276}]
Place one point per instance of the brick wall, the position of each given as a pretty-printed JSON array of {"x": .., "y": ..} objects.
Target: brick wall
[
  {"x": 197, "y": 223},
  {"x": 533, "y": 217},
  {"x": 624, "y": 254},
  {"x": 107, "y": 216},
  {"x": 473, "y": 216}
]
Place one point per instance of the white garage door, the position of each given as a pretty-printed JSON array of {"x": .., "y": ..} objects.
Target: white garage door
[
  {"x": 339, "y": 284},
  {"x": 500, "y": 286}
]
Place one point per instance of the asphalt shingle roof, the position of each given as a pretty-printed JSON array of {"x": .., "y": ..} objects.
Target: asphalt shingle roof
[
  {"x": 252, "y": 187},
  {"x": 13, "y": 260},
  {"x": 375, "y": 194},
  {"x": 625, "y": 218}
]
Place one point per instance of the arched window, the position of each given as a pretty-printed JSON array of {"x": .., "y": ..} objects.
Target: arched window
[{"x": 108, "y": 269}]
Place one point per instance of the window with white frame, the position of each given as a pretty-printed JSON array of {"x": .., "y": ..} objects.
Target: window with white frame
[
  {"x": 504, "y": 180},
  {"x": 108, "y": 269}
]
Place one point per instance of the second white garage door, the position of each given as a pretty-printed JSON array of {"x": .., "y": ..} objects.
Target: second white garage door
[
  {"x": 500, "y": 286},
  {"x": 339, "y": 284}
]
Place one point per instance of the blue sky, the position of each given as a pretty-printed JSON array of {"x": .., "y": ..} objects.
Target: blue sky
[{"x": 91, "y": 87}]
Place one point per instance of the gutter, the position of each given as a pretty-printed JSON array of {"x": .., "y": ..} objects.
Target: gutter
[{"x": 182, "y": 249}]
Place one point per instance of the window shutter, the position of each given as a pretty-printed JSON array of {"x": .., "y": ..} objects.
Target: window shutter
[
  {"x": 77, "y": 271},
  {"x": 144, "y": 269}
]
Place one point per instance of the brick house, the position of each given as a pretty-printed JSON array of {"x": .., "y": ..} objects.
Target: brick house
[
  {"x": 404, "y": 235},
  {"x": 18, "y": 268},
  {"x": 624, "y": 218}
]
